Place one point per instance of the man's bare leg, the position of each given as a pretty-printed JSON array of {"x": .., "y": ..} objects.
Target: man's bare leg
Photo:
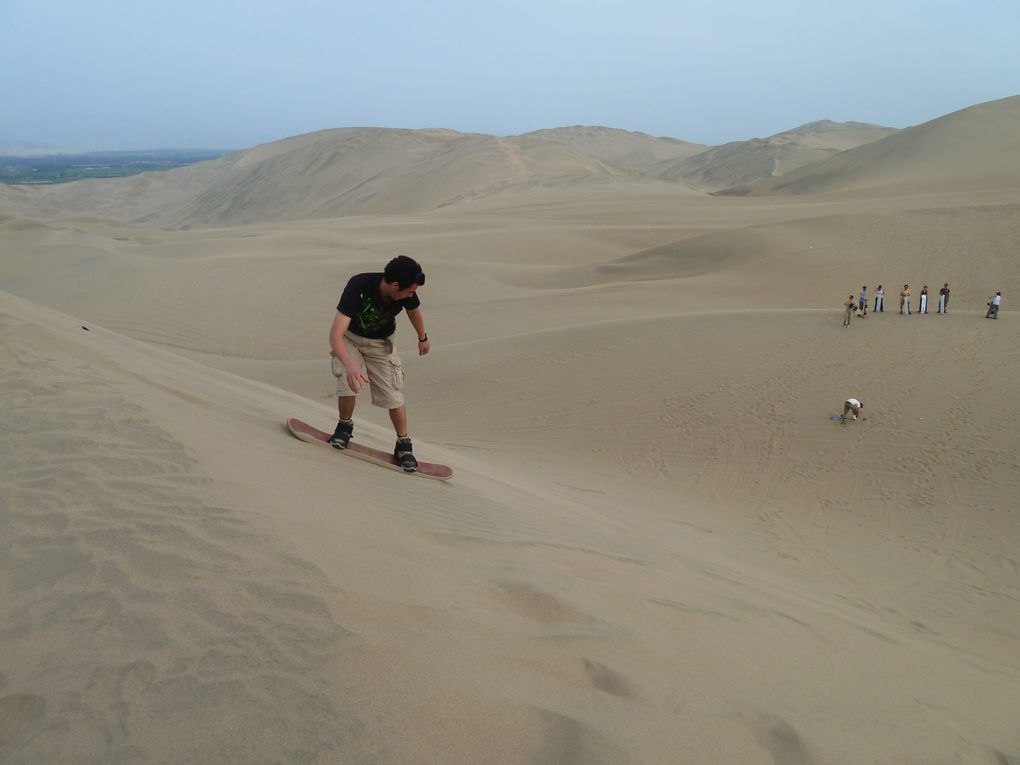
[
  {"x": 402, "y": 451},
  {"x": 345, "y": 404},
  {"x": 344, "y": 429},
  {"x": 398, "y": 417}
]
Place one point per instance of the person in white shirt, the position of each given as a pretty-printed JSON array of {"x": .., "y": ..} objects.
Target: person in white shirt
[
  {"x": 851, "y": 405},
  {"x": 879, "y": 299},
  {"x": 993, "y": 306}
]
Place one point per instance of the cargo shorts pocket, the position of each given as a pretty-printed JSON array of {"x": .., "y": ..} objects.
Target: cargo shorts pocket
[{"x": 397, "y": 373}]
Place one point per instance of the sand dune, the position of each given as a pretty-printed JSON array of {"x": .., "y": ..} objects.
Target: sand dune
[
  {"x": 16, "y": 201},
  {"x": 972, "y": 149},
  {"x": 382, "y": 171},
  {"x": 657, "y": 547},
  {"x": 620, "y": 147},
  {"x": 358, "y": 171},
  {"x": 343, "y": 172},
  {"x": 744, "y": 162},
  {"x": 920, "y": 247},
  {"x": 869, "y": 558}
]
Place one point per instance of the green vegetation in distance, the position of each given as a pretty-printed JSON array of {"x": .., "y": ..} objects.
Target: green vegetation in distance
[{"x": 62, "y": 168}]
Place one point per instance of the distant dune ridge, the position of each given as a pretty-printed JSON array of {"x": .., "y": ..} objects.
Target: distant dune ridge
[
  {"x": 745, "y": 162},
  {"x": 351, "y": 171},
  {"x": 976, "y": 148},
  {"x": 621, "y": 147},
  {"x": 658, "y": 546},
  {"x": 358, "y": 171}
]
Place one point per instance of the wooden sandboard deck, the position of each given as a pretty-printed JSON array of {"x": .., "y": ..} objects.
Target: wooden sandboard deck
[{"x": 305, "y": 432}]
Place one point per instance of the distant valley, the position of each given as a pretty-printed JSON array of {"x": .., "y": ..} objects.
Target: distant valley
[{"x": 49, "y": 168}]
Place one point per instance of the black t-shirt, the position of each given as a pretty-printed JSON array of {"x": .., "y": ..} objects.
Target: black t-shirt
[{"x": 371, "y": 316}]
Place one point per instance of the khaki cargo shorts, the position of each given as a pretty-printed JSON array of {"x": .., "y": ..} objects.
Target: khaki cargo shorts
[{"x": 382, "y": 365}]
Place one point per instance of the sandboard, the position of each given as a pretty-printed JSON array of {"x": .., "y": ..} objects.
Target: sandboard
[{"x": 305, "y": 432}]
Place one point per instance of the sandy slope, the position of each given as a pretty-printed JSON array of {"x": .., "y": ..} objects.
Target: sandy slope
[
  {"x": 620, "y": 147},
  {"x": 744, "y": 162},
  {"x": 657, "y": 547},
  {"x": 353, "y": 171},
  {"x": 972, "y": 149},
  {"x": 704, "y": 593},
  {"x": 377, "y": 171}
]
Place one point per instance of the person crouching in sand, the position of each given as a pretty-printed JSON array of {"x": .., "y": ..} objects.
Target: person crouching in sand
[{"x": 851, "y": 406}]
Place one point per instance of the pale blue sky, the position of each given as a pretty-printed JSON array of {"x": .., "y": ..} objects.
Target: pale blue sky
[{"x": 235, "y": 73}]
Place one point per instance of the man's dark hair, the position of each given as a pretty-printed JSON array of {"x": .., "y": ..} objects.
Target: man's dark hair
[{"x": 404, "y": 271}]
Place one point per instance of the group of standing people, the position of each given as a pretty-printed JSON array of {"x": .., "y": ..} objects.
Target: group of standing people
[
  {"x": 922, "y": 299},
  {"x": 860, "y": 304}
]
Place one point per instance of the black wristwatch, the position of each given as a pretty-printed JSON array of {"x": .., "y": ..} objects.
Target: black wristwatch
[{"x": 424, "y": 339}]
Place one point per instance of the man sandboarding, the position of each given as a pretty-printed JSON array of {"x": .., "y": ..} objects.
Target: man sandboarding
[
  {"x": 362, "y": 348},
  {"x": 362, "y": 353}
]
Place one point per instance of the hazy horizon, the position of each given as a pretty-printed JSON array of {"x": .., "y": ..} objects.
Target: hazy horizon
[
  {"x": 132, "y": 76},
  {"x": 6, "y": 143}
]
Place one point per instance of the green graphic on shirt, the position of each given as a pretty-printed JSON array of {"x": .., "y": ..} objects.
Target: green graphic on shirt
[{"x": 369, "y": 317}]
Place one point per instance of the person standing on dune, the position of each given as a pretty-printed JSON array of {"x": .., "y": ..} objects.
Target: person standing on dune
[
  {"x": 849, "y": 310},
  {"x": 362, "y": 348},
  {"x": 905, "y": 300},
  {"x": 879, "y": 300},
  {"x": 944, "y": 299},
  {"x": 862, "y": 301}
]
